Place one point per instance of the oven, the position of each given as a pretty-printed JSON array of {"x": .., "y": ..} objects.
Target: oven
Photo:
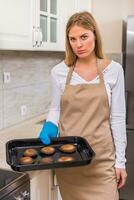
[{"x": 14, "y": 185}]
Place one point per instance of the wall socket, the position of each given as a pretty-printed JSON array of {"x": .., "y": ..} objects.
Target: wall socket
[
  {"x": 23, "y": 109},
  {"x": 7, "y": 77}
]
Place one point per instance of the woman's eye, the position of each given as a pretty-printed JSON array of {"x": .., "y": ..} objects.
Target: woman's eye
[
  {"x": 84, "y": 37},
  {"x": 72, "y": 39}
]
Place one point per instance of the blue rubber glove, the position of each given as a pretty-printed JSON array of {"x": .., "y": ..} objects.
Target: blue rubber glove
[{"x": 49, "y": 130}]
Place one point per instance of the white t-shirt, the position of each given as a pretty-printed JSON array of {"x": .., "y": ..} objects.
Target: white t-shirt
[{"x": 114, "y": 83}]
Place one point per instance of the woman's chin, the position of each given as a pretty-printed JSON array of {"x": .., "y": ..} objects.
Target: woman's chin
[{"x": 83, "y": 55}]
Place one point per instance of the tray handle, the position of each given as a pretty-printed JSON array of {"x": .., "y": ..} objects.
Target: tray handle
[{"x": 8, "y": 152}]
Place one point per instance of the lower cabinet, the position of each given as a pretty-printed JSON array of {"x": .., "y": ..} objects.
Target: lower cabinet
[
  {"x": 44, "y": 186},
  {"x": 41, "y": 185},
  {"x": 59, "y": 196},
  {"x": 55, "y": 188}
]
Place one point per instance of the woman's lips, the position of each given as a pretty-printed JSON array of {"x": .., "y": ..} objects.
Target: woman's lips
[{"x": 80, "y": 52}]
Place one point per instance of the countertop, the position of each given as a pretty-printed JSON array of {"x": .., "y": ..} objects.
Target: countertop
[{"x": 27, "y": 129}]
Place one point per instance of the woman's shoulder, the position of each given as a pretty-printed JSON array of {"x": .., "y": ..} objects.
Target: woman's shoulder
[
  {"x": 106, "y": 63},
  {"x": 111, "y": 66},
  {"x": 59, "y": 73},
  {"x": 112, "y": 73},
  {"x": 60, "y": 69}
]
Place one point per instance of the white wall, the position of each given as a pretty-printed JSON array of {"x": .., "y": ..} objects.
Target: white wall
[
  {"x": 128, "y": 8},
  {"x": 110, "y": 15}
]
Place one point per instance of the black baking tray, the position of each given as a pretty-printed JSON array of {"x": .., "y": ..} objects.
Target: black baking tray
[{"x": 15, "y": 148}]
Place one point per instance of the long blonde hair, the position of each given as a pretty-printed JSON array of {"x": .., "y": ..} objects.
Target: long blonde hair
[{"x": 85, "y": 20}]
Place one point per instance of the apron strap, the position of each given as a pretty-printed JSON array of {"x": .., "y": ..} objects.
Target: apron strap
[
  {"x": 100, "y": 70},
  {"x": 69, "y": 75}
]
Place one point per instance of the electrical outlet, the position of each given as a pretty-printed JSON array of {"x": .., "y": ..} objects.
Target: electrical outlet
[
  {"x": 7, "y": 77},
  {"x": 23, "y": 109}
]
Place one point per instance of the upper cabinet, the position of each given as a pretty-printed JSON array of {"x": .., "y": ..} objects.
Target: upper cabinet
[
  {"x": 36, "y": 24},
  {"x": 16, "y": 24},
  {"x": 47, "y": 25}
]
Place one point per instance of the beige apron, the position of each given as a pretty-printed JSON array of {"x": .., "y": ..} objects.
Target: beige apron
[{"x": 85, "y": 112}]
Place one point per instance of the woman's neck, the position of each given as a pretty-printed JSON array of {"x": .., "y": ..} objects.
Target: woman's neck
[{"x": 89, "y": 61}]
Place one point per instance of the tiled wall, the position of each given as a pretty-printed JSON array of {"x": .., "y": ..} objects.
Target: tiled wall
[
  {"x": 115, "y": 56},
  {"x": 30, "y": 84},
  {"x": 1, "y": 99},
  {"x": 1, "y": 109}
]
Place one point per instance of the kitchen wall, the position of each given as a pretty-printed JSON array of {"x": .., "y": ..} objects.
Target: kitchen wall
[
  {"x": 128, "y": 8},
  {"x": 110, "y": 15},
  {"x": 30, "y": 84}
]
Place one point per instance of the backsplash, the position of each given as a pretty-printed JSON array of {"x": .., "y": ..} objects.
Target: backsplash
[
  {"x": 29, "y": 85},
  {"x": 115, "y": 56}
]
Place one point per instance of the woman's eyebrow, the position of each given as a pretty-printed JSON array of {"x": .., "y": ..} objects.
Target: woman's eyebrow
[{"x": 70, "y": 36}]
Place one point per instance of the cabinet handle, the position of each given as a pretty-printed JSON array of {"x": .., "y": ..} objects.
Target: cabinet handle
[
  {"x": 25, "y": 194},
  {"x": 35, "y": 36},
  {"x": 40, "y": 37},
  {"x": 54, "y": 187}
]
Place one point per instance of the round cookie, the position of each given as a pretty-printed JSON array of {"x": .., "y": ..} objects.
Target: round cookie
[
  {"x": 48, "y": 150},
  {"x": 26, "y": 160},
  {"x": 68, "y": 148},
  {"x": 30, "y": 152},
  {"x": 65, "y": 159},
  {"x": 46, "y": 160}
]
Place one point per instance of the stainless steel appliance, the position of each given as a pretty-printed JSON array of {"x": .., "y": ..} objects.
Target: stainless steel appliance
[
  {"x": 129, "y": 72},
  {"x": 127, "y": 193},
  {"x": 14, "y": 185}
]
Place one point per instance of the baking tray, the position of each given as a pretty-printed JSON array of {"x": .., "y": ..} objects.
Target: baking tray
[{"x": 15, "y": 148}]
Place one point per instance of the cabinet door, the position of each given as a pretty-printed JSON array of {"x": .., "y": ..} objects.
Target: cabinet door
[
  {"x": 47, "y": 21},
  {"x": 16, "y": 21},
  {"x": 41, "y": 186},
  {"x": 55, "y": 193}
]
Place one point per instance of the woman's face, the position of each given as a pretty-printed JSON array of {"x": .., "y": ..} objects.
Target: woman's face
[{"x": 82, "y": 41}]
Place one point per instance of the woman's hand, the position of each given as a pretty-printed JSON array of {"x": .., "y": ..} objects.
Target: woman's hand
[
  {"x": 121, "y": 175},
  {"x": 49, "y": 130}
]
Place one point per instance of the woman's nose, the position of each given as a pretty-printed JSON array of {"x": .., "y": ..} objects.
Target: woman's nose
[{"x": 78, "y": 43}]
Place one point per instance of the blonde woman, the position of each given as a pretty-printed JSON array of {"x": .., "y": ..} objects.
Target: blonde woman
[{"x": 88, "y": 101}]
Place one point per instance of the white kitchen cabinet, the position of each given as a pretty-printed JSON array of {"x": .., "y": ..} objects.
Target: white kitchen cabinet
[
  {"x": 30, "y": 24},
  {"x": 41, "y": 185},
  {"x": 44, "y": 186},
  {"x": 55, "y": 188},
  {"x": 48, "y": 25},
  {"x": 36, "y": 24},
  {"x": 16, "y": 21}
]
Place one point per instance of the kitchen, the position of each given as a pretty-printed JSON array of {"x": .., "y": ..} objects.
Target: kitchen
[{"x": 26, "y": 62}]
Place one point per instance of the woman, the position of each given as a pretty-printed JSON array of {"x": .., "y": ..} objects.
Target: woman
[{"x": 88, "y": 101}]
